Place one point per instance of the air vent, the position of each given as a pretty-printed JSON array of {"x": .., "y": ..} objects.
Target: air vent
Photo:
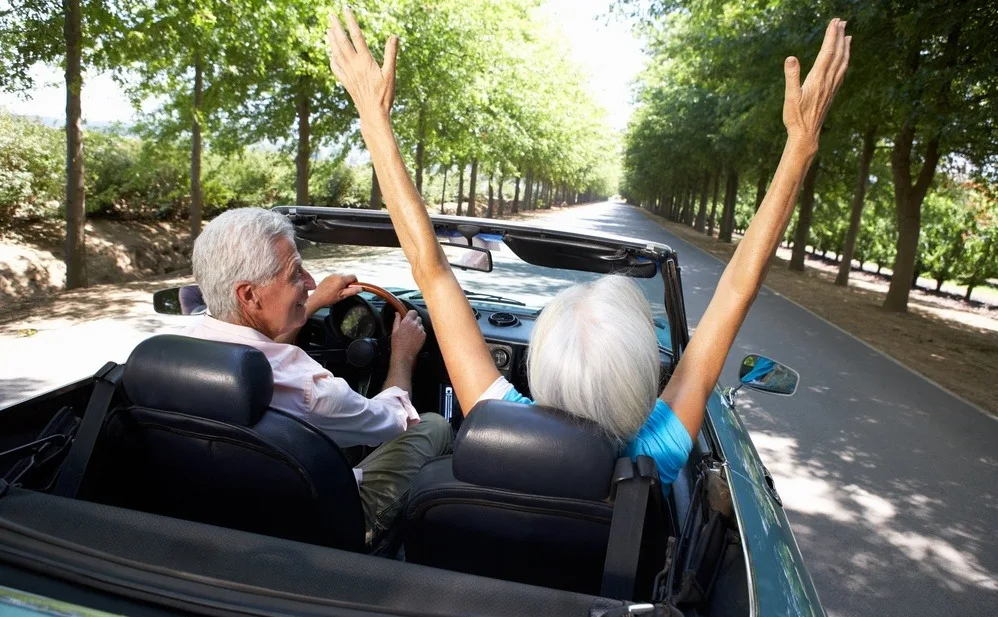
[
  {"x": 475, "y": 311},
  {"x": 503, "y": 320}
]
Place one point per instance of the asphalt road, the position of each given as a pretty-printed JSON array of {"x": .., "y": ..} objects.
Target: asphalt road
[{"x": 890, "y": 483}]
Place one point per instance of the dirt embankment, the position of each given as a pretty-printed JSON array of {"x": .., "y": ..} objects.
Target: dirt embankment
[{"x": 32, "y": 255}]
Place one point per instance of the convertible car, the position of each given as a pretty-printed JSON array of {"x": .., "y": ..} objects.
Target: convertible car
[{"x": 167, "y": 485}]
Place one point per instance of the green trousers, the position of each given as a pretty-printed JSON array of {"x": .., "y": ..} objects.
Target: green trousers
[{"x": 389, "y": 470}]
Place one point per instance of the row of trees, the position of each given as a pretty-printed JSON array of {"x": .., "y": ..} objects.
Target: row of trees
[
  {"x": 485, "y": 88},
  {"x": 911, "y": 130}
]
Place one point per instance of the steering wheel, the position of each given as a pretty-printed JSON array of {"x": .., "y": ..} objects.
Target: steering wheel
[
  {"x": 385, "y": 295},
  {"x": 367, "y": 354}
]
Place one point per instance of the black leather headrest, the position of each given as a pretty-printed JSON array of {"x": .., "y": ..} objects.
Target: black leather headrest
[
  {"x": 535, "y": 450},
  {"x": 220, "y": 381}
]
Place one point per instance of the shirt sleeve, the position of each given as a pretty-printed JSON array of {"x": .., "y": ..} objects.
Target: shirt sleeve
[
  {"x": 502, "y": 390},
  {"x": 352, "y": 419},
  {"x": 664, "y": 438}
]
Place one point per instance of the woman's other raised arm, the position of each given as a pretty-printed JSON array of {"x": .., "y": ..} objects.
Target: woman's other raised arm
[
  {"x": 372, "y": 89},
  {"x": 804, "y": 109}
]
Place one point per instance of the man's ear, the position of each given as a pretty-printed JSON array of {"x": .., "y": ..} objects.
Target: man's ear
[{"x": 247, "y": 296}]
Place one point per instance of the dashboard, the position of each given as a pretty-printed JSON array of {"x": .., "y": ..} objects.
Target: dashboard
[
  {"x": 366, "y": 318},
  {"x": 366, "y": 321}
]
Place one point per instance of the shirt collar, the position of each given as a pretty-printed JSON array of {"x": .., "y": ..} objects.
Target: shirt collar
[{"x": 232, "y": 329}]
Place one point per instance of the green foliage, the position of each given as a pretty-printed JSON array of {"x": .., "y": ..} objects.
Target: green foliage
[
  {"x": 32, "y": 173},
  {"x": 920, "y": 82},
  {"x": 133, "y": 177}
]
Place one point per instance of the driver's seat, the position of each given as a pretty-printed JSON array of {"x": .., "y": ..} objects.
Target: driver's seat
[{"x": 197, "y": 440}]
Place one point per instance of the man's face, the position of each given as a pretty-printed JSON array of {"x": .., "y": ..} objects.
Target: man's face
[{"x": 282, "y": 300}]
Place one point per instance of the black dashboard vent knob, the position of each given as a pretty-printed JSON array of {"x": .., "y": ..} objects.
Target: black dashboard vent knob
[{"x": 503, "y": 320}]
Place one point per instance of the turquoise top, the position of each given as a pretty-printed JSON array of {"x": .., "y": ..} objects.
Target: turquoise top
[{"x": 662, "y": 437}]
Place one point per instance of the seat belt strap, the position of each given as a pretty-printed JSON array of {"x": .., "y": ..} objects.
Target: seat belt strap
[
  {"x": 632, "y": 483},
  {"x": 106, "y": 382}
]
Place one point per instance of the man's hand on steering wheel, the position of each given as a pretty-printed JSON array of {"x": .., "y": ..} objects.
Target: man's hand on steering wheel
[
  {"x": 334, "y": 288},
  {"x": 408, "y": 336}
]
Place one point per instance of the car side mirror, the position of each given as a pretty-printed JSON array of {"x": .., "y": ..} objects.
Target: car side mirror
[
  {"x": 468, "y": 257},
  {"x": 185, "y": 300},
  {"x": 761, "y": 373}
]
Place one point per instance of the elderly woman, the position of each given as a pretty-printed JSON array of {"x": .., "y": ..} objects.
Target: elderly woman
[
  {"x": 257, "y": 291},
  {"x": 606, "y": 371}
]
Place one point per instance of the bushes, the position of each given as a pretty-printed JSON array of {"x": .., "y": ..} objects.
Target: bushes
[
  {"x": 32, "y": 174},
  {"x": 128, "y": 177}
]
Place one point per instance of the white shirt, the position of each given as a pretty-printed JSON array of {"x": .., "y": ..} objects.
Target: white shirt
[{"x": 306, "y": 390}]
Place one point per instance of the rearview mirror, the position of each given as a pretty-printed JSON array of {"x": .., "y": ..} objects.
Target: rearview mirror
[
  {"x": 761, "y": 373},
  {"x": 468, "y": 257},
  {"x": 185, "y": 300}
]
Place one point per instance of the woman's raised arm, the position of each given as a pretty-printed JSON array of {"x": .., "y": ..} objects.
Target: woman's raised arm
[
  {"x": 372, "y": 89},
  {"x": 804, "y": 109}
]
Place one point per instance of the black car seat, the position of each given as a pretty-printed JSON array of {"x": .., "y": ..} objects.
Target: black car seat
[
  {"x": 196, "y": 439},
  {"x": 527, "y": 496}
]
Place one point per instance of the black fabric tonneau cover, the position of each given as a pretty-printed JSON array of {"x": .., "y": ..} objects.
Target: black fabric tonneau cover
[{"x": 201, "y": 568}]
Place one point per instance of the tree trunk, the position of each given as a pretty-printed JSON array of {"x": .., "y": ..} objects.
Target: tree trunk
[
  {"x": 76, "y": 213},
  {"x": 443, "y": 192},
  {"x": 502, "y": 200},
  {"x": 803, "y": 230},
  {"x": 304, "y": 150},
  {"x": 908, "y": 200},
  {"x": 375, "y": 203},
  {"x": 970, "y": 290},
  {"x": 858, "y": 196},
  {"x": 760, "y": 188},
  {"x": 528, "y": 189},
  {"x": 472, "y": 181},
  {"x": 713, "y": 205},
  {"x": 516, "y": 197},
  {"x": 420, "y": 151},
  {"x": 690, "y": 208},
  {"x": 195, "y": 213},
  {"x": 908, "y": 196},
  {"x": 730, "y": 199},
  {"x": 701, "y": 219},
  {"x": 491, "y": 210},
  {"x": 460, "y": 187}
]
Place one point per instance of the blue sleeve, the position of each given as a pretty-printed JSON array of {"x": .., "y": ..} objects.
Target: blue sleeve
[
  {"x": 664, "y": 438},
  {"x": 515, "y": 397}
]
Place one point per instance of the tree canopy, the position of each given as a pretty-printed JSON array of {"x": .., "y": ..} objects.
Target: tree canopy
[{"x": 914, "y": 117}]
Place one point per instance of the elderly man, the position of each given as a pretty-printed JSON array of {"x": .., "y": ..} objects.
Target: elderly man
[{"x": 252, "y": 279}]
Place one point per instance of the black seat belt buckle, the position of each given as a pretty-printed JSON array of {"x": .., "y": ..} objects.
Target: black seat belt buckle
[
  {"x": 626, "y": 470},
  {"x": 104, "y": 371}
]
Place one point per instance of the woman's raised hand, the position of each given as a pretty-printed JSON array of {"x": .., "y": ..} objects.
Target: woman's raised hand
[
  {"x": 804, "y": 107},
  {"x": 371, "y": 87}
]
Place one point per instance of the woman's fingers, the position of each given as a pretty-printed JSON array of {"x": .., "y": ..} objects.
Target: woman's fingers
[
  {"x": 841, "y": 73},
  {"x": 827, "y": 52},
  {"x": 343, "y": 43},
  {"x": 334, "y": 56},
  {"x": 358, "y": 37},
  {"x": 391, "y": 53}
]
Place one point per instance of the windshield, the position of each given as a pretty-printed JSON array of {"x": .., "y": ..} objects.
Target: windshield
[{"x": 511, "y": 279}]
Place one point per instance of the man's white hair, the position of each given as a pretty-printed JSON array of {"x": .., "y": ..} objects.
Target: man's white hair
[
  {"x": 594, "y": 353},
  {"x": 238, "y": 245}
]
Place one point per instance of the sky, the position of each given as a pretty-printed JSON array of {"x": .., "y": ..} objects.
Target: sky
[{"x": 609, "y": 52}]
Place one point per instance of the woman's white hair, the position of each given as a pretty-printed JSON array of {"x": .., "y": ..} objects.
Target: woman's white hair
[
  {"x": 594, "y": 353},
  {"x": 238, "y": 245}
]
